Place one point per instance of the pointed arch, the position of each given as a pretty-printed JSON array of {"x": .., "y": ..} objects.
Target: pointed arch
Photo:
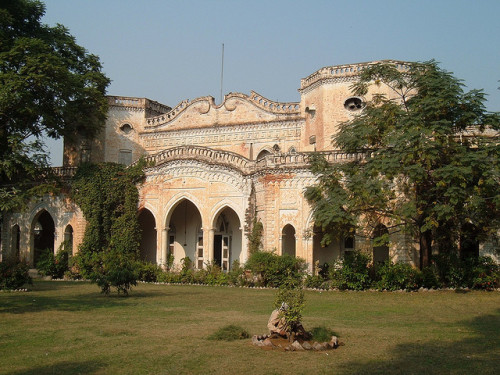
[
  {"x": 186, "y": 241},
  {"x": 263, "y": 153},
  {"x": 381, "y": 251},
  {"x": 148, "y": 243},
  {"x": 228, "y": 237},
  {"x": 15, "y": 241},
  {"x": 42, "y": 234},
  {"x": 68, "y": 238},
  {"x": 288, "y": 240}
]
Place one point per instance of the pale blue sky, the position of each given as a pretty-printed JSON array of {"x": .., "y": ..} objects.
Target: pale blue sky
[{"x": 171, "y": 50}]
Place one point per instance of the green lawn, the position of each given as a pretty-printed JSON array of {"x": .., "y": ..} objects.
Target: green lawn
[{"x": 70, "y": 328}]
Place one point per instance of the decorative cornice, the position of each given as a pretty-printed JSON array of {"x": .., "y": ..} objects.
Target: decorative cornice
[
  {"x": 270, "y": 106},
  {"x": 285, "y": 129},
  {"x": 345, "y": 71},
  {"x": 277, "y": 163}
]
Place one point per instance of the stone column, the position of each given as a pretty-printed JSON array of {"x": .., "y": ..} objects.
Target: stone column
[
  {"x": 164, "y": 247},
  {"x": 206, "y": 245},
  {"x": 210, "y": 247},
  {"x": 307, "y": 243}
]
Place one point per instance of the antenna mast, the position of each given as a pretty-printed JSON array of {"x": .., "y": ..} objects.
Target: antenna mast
[{"x": 222, "y": 73}]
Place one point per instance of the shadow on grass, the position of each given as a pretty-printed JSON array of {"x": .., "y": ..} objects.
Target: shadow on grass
[
  {"x": 472, "y": 355},
  {"x": 63, "y": 368},
  {"x": 67, "y": 299}
]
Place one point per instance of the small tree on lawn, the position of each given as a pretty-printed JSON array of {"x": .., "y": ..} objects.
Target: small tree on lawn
[
  {"x": 430, "y": 166},
  {"x": 291, "y": 293}
]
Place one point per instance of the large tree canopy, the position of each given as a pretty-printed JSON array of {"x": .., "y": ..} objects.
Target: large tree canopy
[
  {"x": 430, "y": 163},
  {"x": 49, "y": 86}
]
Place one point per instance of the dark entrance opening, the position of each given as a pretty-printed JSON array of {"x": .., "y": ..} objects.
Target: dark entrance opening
[
  {"x": 218, "y": 249},
  {"x": 44, "y": 235}
]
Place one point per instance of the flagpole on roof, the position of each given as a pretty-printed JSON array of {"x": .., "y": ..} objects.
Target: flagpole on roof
[{"x": 222, "y": 74}]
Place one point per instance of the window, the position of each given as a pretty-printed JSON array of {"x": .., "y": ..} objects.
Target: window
[
  {"x": 85, "y": 154},
  {"x": 125, "y": 157},
  {"x": 354, "y": 104},
  {"x": 126, "y": 128},
  {"x": 349, "y": 243}
]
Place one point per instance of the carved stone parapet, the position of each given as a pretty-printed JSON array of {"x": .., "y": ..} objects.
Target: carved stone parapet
[
  {"x": 228, "y": 104},
  {"x": 345, "y": 71},
  {"x": 281, "y": 161},
  {"x": 275, "y": 107}
]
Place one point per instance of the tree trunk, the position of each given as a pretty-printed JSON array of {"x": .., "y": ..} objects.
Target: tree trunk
[{"x": 425, "y": 240}]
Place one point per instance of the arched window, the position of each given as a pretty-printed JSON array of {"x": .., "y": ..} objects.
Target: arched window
[
  {"x": 263, "y": 154},
  {"x": 15, "y": 241},
  {"x": 288, "y": 240},
  {"x": 68, "y": 238},
  {"x": 381, "y": 238}
]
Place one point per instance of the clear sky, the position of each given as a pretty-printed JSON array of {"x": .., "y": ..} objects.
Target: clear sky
[{"x": 169, "y": 51}]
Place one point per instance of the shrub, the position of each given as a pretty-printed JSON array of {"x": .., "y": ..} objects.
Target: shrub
[
  {"x": 430, "y": 277},
  {"x": 322, "y": 334},
  {"x": 273, "y": 269},
  {"x": 148, "y": 272},
  {"x": 486, "y": 274},
  {"x": 14, "y": 274},
  {"x": 54, "y": 266},
  {"x": 480, "y": 273},
  {"x": 115, "y": 269},
  {"x": 46, "y": 262},
  {"x": 351, "y": 271},
  {"x": 314, "y": 281},
  {"x": 236, "y": 275},
  {"x": 229, "y": 333},
  {"x": 399, "y": 276}
]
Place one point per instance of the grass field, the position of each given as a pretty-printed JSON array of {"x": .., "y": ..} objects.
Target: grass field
[{"x": 70, "y": 328}]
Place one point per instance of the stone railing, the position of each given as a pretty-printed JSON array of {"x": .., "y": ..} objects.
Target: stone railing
[
  {"x": 64, "y": 172},
  {"x": 138, "y": 103},
  {"x": 208, "y": 155},
  {"x": 169, "y": 115},
  {"x": 246, "y": 166},
  {"x": 349, "y": 70},
  {"x": 124, "y": 101},
  {"x": 302, "y": 159},
  {"x": 273, "y": 106}
]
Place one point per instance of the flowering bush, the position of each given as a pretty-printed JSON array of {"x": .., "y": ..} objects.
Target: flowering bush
[{"x": 14, "y": 274}]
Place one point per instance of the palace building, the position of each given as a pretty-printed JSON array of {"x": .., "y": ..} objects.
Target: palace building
[{"x": 212, "y": 169}]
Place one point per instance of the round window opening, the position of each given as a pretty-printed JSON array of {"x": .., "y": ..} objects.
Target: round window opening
[
  {"x": 126, "y": 128},
  {"x": 354, "y": 104}
]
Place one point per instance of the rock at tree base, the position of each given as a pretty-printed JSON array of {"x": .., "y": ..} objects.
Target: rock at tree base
[
  {"x": 280, "y": 343},
  {"x": 296, "y": 346},
  {"x": 334, "y": 342}
]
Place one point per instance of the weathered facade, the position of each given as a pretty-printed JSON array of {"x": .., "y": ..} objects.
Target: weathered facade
[{"x": 212, "y": 168}]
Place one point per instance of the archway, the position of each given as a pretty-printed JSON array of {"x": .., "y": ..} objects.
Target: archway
[
  {"x": 323, "y": 255},
  {"x": 43, "y": 234},
  {"x": 227, "y": 238},
  {"x": 381, "y": 252},
  {"x": 263, "y": 154},
  {"x": 288, "y": 242},
  {"x": 15, "y": 242},
  {"x": 185, "y": 236},
  {"x": 68, "y": 239},
  {"x": 147, "y": 225}
]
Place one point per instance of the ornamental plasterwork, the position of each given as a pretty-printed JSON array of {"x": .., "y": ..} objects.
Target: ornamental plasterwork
[
  {"x": 195, "y": 169},
  {"x": 204, "y": 104},
  {"x": 289, "y": 130},
  {"x": 343, "y": 73}
]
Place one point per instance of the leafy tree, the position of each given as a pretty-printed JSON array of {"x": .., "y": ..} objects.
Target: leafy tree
[
  {"x": 49, "y": 86},
  {"x": 430, "y": 163},
  {"x": 108, "y": 196}
]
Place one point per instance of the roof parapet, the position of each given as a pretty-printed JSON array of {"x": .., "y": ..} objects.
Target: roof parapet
[{"x": 346, "y": 71}]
